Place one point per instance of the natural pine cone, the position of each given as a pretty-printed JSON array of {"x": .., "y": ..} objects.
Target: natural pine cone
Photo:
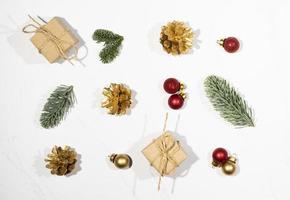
[
  {"x": 118, "y": 99},
  {"x": 61, "y": 161},
  {"x": 176, "y": 38}
]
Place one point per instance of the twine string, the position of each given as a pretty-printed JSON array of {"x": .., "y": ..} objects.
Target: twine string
[{"x": 166, "y": 152}]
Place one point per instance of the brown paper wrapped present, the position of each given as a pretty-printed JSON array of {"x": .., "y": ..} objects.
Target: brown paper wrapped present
[
  {"x": 165, "y": 153},
  {"x": 53, "y": 39}
]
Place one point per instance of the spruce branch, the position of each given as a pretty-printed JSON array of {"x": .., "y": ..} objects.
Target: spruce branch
[
  {"x": 110, "y": 52},
  {"x": 112, "y": 44},
  {"x": 57, "y": 106},
  {"x": 228, "y": 102},
  {"x": 102, "y": 35}
]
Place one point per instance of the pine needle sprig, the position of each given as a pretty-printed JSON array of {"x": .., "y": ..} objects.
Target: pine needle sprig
[
  {"x": 112, "y": 44},
  {"x": 57, "y": 106},
  {"x": 102, "y": 35},
  {"x": 110, "y": 52},
  {"x": 228, "y": 102}
]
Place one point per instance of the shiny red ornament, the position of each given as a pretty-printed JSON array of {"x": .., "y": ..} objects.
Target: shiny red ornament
[
  {"x": 220, "y": 155},
  {"x": 171, "y": 85},
  {"x": 230, "y": 44},
  {"x": 175, "y": 101}
]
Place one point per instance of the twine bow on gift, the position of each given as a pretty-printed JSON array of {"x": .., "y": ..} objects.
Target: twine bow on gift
[
  {"x": 38, "y": 28},
  {"x": 166, "y": 152}
]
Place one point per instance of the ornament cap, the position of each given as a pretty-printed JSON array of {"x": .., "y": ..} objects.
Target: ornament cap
[
  {"x": 220, "y": 42},
  {"x": 232, "y": 159},
  {"x": 183, "y": 95},
  {"x": 215, "y": 164},
  {"x": 112, "y": 157},
  {"x": 182, "y": 86}
]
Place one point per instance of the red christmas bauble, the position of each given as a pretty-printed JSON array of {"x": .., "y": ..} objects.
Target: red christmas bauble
[
  {"x": 220, "y": 155},
  {"x": 231, "y": 44},
  {"x": 175, "y": 101},
  {"x": 171, "y": 85}
]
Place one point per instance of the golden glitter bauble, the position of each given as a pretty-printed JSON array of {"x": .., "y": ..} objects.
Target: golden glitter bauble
[
  {"x": 121, "y": 161},
  {"x": 176, "y": 38},
  {"x": 61, "y": 161},
  {"x": 229, "y": 167},
  {"x": 118, "y": 99}
]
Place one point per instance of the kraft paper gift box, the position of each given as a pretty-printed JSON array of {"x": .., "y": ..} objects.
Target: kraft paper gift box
[
  {"x": 53, "y": 39},
  {"x": 165, "y": 154}
]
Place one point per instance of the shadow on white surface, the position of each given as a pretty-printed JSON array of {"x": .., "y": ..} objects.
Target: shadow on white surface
[
  {"x": 81, "y": 43},
  {"x": 31, "y": 184},
  {"x": 196, "y": 42},
  {"x": 185, "y": 167},
  {"x": 241, "y": 45},
  {"x": 110, "y": 164},
  {"x": 134, "y": 101},
  {"x": 20, "y": 43},
  {"x": 39, "y": 163},
  {"x": 77, "y": 168},
  {"x": 154, "y": 37}
]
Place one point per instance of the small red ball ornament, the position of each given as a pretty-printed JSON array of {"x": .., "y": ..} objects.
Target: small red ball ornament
[
  {"x": 230, "y": 44},
  {"x": 174, "y": 87},
  {"x": 220, "y": 156},
  {"x": 175, "y": 101},
  {"x": 171, "y": 85}
]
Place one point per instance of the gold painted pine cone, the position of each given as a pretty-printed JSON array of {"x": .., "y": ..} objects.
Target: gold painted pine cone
[
  {"x": 176, "y": 38},
  {"x": 61, "y": 161},
  {"x": 118, "y": 99}
]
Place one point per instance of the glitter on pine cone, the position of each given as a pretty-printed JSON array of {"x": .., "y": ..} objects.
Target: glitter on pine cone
[
  {"x": 176, "y": 38},
  {"x": 61, "y": 161},
  {"x": 118, "y": 99}
]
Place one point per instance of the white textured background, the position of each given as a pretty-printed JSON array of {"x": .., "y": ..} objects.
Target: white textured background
[{"x": 260, "y": 71}]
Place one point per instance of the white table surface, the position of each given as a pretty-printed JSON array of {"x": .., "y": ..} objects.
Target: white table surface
[{"x": 260, "y": 71}]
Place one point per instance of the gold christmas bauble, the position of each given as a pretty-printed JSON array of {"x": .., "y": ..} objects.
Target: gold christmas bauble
[
  {"x": 121, "y": 161},
  {"x": 229, "y": 167}
]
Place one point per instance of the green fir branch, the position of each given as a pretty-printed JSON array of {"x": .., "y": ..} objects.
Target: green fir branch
[
  {"x": 57, "y": 106},
  {"x": 102, "y": 35},
  {"x": 228, "y": 102},
  {"x": 112, "y": 44},
  {"x": 110, "y": 52}
]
